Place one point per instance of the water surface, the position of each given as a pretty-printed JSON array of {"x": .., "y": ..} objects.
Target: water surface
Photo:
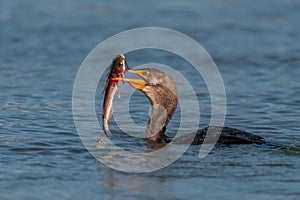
[{"x": 255, "y": 46}]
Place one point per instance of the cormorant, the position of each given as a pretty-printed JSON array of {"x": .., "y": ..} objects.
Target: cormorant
[{"x": 161, "y": 90}]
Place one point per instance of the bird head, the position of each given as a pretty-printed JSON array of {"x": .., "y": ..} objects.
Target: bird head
[{"x": 161, "y": 90}]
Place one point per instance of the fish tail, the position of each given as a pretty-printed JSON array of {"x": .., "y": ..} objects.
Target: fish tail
[
  {"x": 106, "y": 129},
  {"x": 118, "y": 93}
]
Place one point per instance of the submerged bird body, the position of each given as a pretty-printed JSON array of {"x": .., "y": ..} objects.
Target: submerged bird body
[
  {"x": 161, "y": 90},
  {"x": 228, "y": 136}
]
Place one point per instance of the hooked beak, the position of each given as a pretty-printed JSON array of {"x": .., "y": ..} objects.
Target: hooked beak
[
  {"x": 139, "y": 72},
  {"x": 135, "y": 83}
]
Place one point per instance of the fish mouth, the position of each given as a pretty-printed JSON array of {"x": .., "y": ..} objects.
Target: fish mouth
[{"x": 135, "y": 83}]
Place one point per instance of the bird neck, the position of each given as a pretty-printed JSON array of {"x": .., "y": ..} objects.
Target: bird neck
[{"x": 164, "y": 103}]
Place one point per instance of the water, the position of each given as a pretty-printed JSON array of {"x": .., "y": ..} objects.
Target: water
[{"x": 255, "y": 46}]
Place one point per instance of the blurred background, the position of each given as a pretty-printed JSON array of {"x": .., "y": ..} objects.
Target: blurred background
[{"x": 255, "y": 45}]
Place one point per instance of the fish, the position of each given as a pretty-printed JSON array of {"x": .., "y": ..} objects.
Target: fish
[{"x": 117, "y": 69}]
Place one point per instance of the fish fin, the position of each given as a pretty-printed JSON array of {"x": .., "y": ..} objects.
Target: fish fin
[
  {"x": 122, "y": 76},
  {"x": 118, "y": 93}
]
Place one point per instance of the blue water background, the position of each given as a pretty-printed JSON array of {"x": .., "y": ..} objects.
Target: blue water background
[{"x": 255, "y": 45}]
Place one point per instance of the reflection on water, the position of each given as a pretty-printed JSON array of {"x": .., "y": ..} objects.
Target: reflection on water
[
  {"x": 137, "y": 185},
  {"x": 256, "y": 50}
]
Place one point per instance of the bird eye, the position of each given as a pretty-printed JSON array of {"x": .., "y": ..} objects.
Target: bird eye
[{"x": 145, "y": 73}]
